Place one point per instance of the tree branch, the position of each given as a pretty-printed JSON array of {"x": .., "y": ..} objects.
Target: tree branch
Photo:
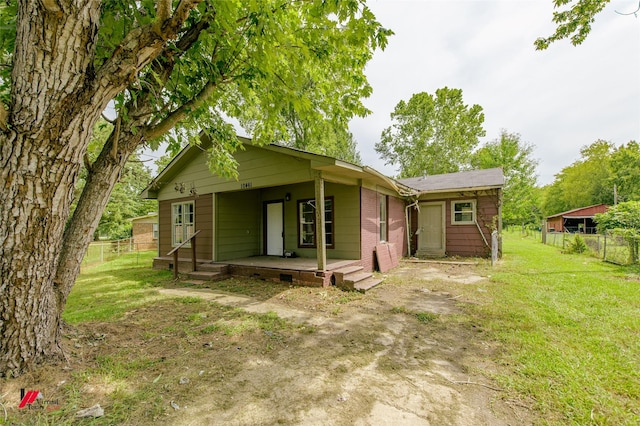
[
  {"x": 162, "y": 68},
  {"x": 176, "y": 116},
  {"x": 116, "y": 133},
  {"x": 137, "y": 49},
  {"x": 163, "y": 11}
]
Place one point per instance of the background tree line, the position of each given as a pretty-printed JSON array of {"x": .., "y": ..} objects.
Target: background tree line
[{"x": 604, "y": 173}]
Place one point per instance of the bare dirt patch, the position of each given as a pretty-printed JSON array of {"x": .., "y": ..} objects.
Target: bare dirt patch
[{"x": 404, "y": 353}]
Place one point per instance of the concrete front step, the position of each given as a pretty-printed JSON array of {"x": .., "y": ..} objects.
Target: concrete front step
[
  {"x": 367, "y": 284},
  {"x": 356, "y": 277},
  {"x": 214, "y": 267},
  {"x": 348, "y": 270},
  {"x": 208, "y": 275},
  {"x": 344, "y": 277}
]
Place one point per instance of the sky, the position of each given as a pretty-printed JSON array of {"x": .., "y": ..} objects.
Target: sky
[{"x": 558, "y": 100}]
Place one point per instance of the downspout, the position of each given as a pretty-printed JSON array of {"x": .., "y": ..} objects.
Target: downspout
[
  {"x": 408, "y": 225},
  {"x": 475, "y": 220},
  {"x": 481, "y": 233}
]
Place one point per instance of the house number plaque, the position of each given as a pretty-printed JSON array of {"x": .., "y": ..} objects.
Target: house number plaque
[{"x": 246, "y": 185}]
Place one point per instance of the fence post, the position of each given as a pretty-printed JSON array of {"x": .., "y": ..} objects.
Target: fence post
[{"x": 494, "y": 247}]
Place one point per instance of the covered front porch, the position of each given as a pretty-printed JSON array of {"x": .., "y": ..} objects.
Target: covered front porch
[{"x": 346, "y": 273}]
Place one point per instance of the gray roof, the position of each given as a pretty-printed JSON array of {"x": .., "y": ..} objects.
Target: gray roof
[{"x": 469, "y": 180}]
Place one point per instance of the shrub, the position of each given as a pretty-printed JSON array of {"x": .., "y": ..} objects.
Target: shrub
[{"x": 577, "y": 245}]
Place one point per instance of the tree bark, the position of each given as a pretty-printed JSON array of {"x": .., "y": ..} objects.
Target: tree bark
[
  {"x": 40, "y": 158},
  {"x": 57, "y": 97}
]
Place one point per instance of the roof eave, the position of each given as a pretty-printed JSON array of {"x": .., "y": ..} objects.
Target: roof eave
[{"x": 464, "y": 189}]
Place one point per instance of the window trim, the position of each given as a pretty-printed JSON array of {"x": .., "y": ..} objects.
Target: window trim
[
  {"x": 155, "y": 231},
  {"x": 463, "y": 222},
  {"x": 383, "y": 204},
  {"x": 184, "y": 224},
  {"x": 301, "y": 202}
]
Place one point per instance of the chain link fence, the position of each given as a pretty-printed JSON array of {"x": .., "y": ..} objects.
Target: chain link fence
[
  {"x": 105, "y": 251},
  {"x": 608, "y": 247}
]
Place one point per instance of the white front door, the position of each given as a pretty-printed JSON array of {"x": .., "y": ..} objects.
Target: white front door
[
  {"x": 431, "y": 229},
  {"x": 275, "y": 229}
]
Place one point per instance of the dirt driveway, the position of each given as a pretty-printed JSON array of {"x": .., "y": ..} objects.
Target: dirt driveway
[
  {"x": 403, "y": 354},
  {"x": 248, "y": 352}
]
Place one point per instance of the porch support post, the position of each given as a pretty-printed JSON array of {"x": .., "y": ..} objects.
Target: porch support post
[{"x": 321, "y": 247}]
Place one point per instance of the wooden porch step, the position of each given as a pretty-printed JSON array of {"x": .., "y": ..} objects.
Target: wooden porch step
[{"x": 367, "y": 284}]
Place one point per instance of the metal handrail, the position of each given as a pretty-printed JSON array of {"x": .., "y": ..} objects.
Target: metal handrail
[{"x": 174, "y": 252}]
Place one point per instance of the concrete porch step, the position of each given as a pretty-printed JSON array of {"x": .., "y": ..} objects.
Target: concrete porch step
[
  {"x": 207, "y": 275},
  {"x": 348, "y": 270},
  {"x": 213, "y": 267},
  {"x": 367, "y": 284},
  {"x": 356, "y": 277},
  {"x": 359, "y": 281}
]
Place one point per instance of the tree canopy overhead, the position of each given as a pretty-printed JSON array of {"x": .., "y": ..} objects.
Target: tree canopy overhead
[
  {"x": 181, "y": 66},
  {"x": 573, "y": 19},
  {"x": 432, "y": 134}
]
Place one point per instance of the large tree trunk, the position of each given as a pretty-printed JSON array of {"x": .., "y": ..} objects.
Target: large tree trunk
[
  {"x": 57, "y": 97},
  {"x": 40, "y": 158}
]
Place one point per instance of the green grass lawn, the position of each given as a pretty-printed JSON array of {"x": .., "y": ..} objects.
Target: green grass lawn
[
  {"x": 567, "y": 328},
  {"x": 570, "y": 330},
  {"x": 104, "y": 292}
]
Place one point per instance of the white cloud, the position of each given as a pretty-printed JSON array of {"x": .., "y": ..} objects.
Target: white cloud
[{"x": 558, "y": 100}]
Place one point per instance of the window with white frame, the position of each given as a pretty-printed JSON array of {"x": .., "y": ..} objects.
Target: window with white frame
[
  {"x": 182, "y": 222},
  {"x": 154, "y": 227},
  {"x": 463, "y": 212},
  {"x": 383, "y": 218},
  {"x": 307, "y": 222}
]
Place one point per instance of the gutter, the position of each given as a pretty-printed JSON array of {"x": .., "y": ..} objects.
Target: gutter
[
  {"x": 402, "y": 189},
  {"x": 408, "y": 225}
]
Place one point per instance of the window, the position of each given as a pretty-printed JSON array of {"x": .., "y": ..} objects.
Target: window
[
  {"x": 307, "y": 220},
  {"x": 463, "y": 212},
  {"x": 155, "y": 230},
  {"x": 182, "y": 222},
  {"x": 383, "y": 218}
]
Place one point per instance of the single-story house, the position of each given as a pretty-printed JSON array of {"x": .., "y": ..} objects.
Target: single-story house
[
  {"x": 455, "y": 213},
  {"x": 297, "y": 216},
  {"x": 144, "y": 231},
  {"x": 579, "y": 220}
]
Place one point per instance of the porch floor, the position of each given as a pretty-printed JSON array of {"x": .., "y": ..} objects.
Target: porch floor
[
  {"x": 287, "y": 263},
  {"x": 299, "y": 270}
]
